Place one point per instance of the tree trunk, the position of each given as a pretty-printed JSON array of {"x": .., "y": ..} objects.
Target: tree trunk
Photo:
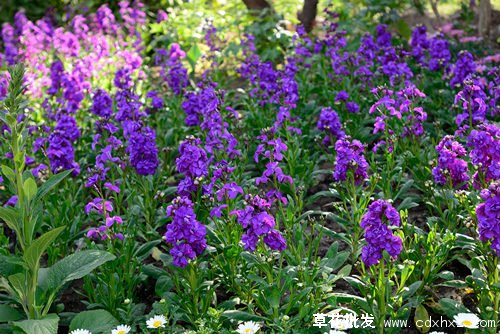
[
  {"x": 257, "y": 5},
  {"x": 484, "y": 18},
  {"x": 434, "y": 6},
  {"x": 308, "y": 14}
]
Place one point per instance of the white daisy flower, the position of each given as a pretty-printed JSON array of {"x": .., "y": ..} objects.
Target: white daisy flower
[
  {"x": 436, "y": 333},
  {"x": 158, "y": 321},
  {"x": 80, "y": 331},
  {"x": 467, "y": 320},
  {"x": 249, "y": 327},
  {"x": 122, "y": 329},
  {"x": 334, "y": 331}
]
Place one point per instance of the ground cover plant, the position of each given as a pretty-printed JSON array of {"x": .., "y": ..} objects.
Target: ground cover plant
[{"x": 180, "y": 169}]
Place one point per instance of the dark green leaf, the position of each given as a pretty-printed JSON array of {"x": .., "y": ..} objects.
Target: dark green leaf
[
  {"x": 8, "y": 313},
  {"x": 74, "y": 267},
  {"x": 96, "y": 321},
  {"x": 48, "y": 325},
  {"x": 35, "y": 251}
]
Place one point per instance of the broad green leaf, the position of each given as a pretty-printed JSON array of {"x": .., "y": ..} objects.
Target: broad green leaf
[
  {"x": 241, "y": 316},
  {"x": 452, "y": 307},
  {"x": 10, "y": 265},
  {"x": 96, "y": 321},
  {"x": 9, "y": 173},
  {"x": 18, "y": 283},
  {"x": 8, "y": 313},
  {"x": 48, "y": 325},
  {"x": 50, "y": 183},
  {"x": 422, "y": 319},
  {"x": 10, "y": 216},
  {"x": 35, "y": 251},
  {"x": 30, "y": 188},
  {"x": 74, "y": 267}
]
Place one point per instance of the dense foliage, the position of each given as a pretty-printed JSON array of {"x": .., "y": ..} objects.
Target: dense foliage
[{"x": 157, "y": 181}]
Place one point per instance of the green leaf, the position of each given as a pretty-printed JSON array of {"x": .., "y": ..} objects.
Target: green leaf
[
  {"x": 193, "y": 55},
  {"x": 8, "y": 313},
  {"x": 49, "y": 184},
  {"x": 10, "y": 216},
  {"x": 9, "y": 173},
  {"x": 74, "y": 267},
  {"x": 452, "y": 307},
  {"x": 30, "y": 188},
  {"x": 241, "y": 316},
  {"x": 18, "y": 283},
  {"x": 48, "y": 325},
  {"x": 96, "y": 321},
  {"x": 35, "y": 251},
  {"x": 422, "y": 319},
  {"x": 10, "y": 265},
  {"x": 403, "y": 28}
]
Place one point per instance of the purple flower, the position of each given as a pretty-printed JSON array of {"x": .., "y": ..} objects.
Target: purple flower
[
  {"x": 231, "y": 190},
  {"x": 192, "y": 160},
  {"x": 186, "y": 234},
  {"x": 473, "y": 102},
  {"x": 379, "y": 237},
  {"x": 56, "y": 75},
  {"x": 161, "y": 16},
  {"x": 341, "y": 96},
  {"x": 102, "y": 104},
  {"x": 60, "y": 151},
  {"x": 12, "y": 201},
  {"x": 451, "y": 168},
  {"x": 439, "y": 53},
  {"x": 485, "y": 153},
  {"x": 142, "y": 151},
  {"x": 258, "y": 223},
  {"x": 329, "y": 121},
  {"x": 488, "y": 217},
  {"x": 350, "y": 159},
  {"x": 352, "y": 107},
  {"x": 464, "y": 66}
]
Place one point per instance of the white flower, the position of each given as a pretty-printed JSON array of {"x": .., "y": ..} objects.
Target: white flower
[
  {"x": 467, "y": 320},
  {"x": 334, "y": 331},
  {"x": 122, "y": 329},
  {"x": 340, "y": 323},
  {"x": 249, "y": 327},
  {"x": 80, "y": 331},
  {"x": 156, "y": 322},
  {"x": 436, "y": 333}
]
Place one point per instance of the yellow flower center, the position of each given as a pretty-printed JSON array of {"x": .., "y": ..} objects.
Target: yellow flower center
[
  {"x": 121, "y": 332},
  {"x": 157, "y": 323},
  {"x": 249, "y": 330},
  {"x": 467, "y": 323}
]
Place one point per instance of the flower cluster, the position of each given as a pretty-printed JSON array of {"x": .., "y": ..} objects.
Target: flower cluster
[
  {"x": 193, "y": 163},
  {"x": 103, "y": 208},
  {"x": 272, "y": 149},
  {"x": 485, "y": 153},
  {"x": 399, "y": 106},
  {"x": 186, "y": 234},
  {"x": 487, "y": 217},
  {"x": 350, "y": 159},
  {"x": 329, "y": 121},
  {"x": 451, "y": 169},
  {"x": 473, "y": 101},
  {"x": 173, "y": 71},
  {"x": 378, "y": 235},
  {"x": 258, "y": 223},
  {"x": 434, "y": 53},
  {"x": 464, "y": 66}
]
